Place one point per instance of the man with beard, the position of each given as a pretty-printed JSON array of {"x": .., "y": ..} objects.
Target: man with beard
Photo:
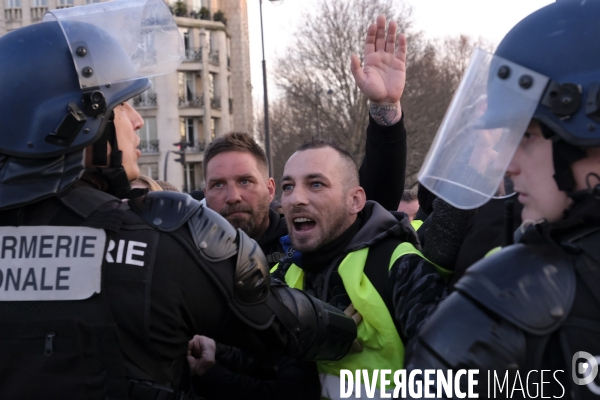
[
  {"x": 236, "y": 169},
  {"x": 239, "y": 188},
  {"x": 354, "y": 255}
]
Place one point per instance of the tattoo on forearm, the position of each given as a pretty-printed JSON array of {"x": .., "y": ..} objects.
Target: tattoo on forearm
[{"x": 385, "y": 114}]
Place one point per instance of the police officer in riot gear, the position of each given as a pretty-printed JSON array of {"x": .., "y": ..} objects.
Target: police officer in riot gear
[
  {"x": 531, "y": 110},
  {"x": 99, "y": 297}
]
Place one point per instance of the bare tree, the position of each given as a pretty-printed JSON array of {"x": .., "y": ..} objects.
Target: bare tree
[
  {"x": 432, "y": 79},
  {"x": 319, "y": 61}
]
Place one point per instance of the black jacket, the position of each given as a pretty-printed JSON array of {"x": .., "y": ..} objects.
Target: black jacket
[
  {"x": 157, "y": 293},
  {"x": 530, "y": 307},
  {"x": 411, "y": 289}
]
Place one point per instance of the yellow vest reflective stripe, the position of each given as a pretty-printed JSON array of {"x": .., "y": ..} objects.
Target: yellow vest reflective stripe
[
  {"x": 382, "y": 347},
  {"x": 416, "y": 224}
]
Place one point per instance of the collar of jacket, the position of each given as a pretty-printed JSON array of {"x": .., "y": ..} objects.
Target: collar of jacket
[
  {"x": 379, "y": 224},
  {"x": 276, "y": 229},
  {"x": 583, "y": 216}
]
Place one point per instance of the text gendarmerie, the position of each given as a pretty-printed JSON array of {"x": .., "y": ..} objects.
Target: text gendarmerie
[
  {"x": 47, "y": 246},
  {"x": 40, "y": 263}
]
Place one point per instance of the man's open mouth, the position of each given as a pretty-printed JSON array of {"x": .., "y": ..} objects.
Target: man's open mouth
[{"x": 304, "y": 224}]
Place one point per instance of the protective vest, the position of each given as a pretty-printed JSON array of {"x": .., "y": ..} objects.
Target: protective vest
[
  {"x": 542, "y": 313},
  {"x": 416, "y": 224},
  {"x": 41, "y": 338},
  {"x": 382, "y": 346}
]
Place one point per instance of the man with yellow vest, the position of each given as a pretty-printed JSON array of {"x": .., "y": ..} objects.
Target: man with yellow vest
[{"x": 349, "y": 251}]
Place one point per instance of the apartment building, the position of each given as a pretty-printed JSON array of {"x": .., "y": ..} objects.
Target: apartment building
[{"x": 209, "y": 94}]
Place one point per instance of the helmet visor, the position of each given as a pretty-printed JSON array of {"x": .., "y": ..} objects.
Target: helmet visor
[
  {"x": 144, "y": 29},
  {"x": 481, "y": 131}
]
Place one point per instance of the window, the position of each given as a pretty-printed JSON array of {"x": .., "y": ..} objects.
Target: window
[
  {"x": 211, "y": 86},
  {"x": 13, "y": 4},
  {"x": 39, "y": 3},
  {"x": 213, "y": 128},
  {"x": 186, "y": 38},
  {"x": 149, "y": 136},
  {"x": 146, "y": 99},
  {"x": 211, "y": 41},
  {"x": 92, "y": 2},
  {"x": 190, "y": 177},
  {"x": 187, "y": 129},
  {"x": 150, "y": 170},
  {"x": 193, "y": 176},
  {"x": 65, "y": 3},
  {"x": 187, "y": 87}
]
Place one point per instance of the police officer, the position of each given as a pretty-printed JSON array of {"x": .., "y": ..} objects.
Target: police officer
[
  {"x": 99, "y": 297},
  {"x": 532, "y": 109}
]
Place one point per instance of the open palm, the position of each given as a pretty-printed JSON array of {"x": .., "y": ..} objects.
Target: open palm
[{"x": 383, "y": 76}]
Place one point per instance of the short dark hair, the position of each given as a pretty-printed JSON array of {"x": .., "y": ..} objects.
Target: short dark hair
[
  {"x": 318, "y": 143},
  {"x": 409, "y": 195},
  {"x": 235, "y": 141}
]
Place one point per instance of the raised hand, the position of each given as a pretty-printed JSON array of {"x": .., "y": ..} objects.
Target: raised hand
[{"x": 383, "y": 76}]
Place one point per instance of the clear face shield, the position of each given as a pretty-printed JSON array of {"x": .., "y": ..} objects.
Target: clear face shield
[
  {"x": 481, "y": 131},
  {"x": 144, "y": 29}
]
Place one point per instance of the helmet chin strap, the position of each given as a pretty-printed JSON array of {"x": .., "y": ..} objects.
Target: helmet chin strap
[
  {"x": 114, "y": 174},
  {"x": 564, "y": 155}
]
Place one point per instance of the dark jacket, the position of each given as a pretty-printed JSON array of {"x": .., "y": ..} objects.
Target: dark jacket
[
  {"x": 411, "y": 289},
  {"x": 157, "y": 289},
  {"x": 531, "y": 307}
]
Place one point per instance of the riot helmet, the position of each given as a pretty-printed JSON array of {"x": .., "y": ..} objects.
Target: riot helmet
[
  {"x": 547, "y": 68},
  {"x": 61, "y": 80}
]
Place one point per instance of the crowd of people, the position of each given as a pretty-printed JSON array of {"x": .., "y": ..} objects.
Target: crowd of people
[{"x": 113, "y": 285}]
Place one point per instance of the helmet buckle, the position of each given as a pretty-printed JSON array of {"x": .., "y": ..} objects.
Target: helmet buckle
[{"x": 69, "y": 127}]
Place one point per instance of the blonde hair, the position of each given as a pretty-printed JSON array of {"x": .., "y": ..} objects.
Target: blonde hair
[{"x": 147, "y": 183}]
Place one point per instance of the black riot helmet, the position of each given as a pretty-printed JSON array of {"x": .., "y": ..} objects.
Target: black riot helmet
[
  {"x": 546, "y": 68},
  {"x": 61, "y": 80}
]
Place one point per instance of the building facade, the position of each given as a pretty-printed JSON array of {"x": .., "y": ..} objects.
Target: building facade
[{"x": 209, "y": 94}]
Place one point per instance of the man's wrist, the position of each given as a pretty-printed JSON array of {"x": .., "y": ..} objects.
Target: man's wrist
[{"x": 385, "y": 114}]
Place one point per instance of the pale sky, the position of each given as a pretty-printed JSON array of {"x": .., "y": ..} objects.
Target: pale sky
[{"x": 489, "y": 19}]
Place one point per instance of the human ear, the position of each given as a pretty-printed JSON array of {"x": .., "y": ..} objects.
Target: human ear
[
  {"x": 357, "y": 199},
  {"x": 271, "y": 188}
]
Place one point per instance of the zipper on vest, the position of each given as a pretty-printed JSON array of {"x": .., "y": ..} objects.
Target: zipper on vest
[{"x": 49, "y": 349}]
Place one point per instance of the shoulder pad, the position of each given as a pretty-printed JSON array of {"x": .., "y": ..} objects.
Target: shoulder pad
[
  {"x": 252, "y": 278},
  {"x": 165, "y": 211},
  {"x": 463, "y": 335},
  {"x": 214, "y": 236},
  {"x": 531, "y": 286}
]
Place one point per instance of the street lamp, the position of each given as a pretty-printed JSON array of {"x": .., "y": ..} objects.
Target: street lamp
[{"x": 266, "y": 99}]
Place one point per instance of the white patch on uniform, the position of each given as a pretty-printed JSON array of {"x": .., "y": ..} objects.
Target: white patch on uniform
[
  {"x": 47, "y": 263},
  {"x": 127, "y": 248}
]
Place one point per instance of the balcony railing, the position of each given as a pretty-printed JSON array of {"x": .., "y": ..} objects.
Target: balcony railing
[
  {"x": 197, "y": 147},
  {"x": 145, "y": 100},
  {"x": 13, "y": 14},
  {"x": 215, "y": 103},
  {"x": 214, "y": 57},
  {"x": 193, "y": 55},
  {"x": 196, "y": 102},
  {"x": 149, "y": 146},
  {"x": 37, "y": 13}
]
